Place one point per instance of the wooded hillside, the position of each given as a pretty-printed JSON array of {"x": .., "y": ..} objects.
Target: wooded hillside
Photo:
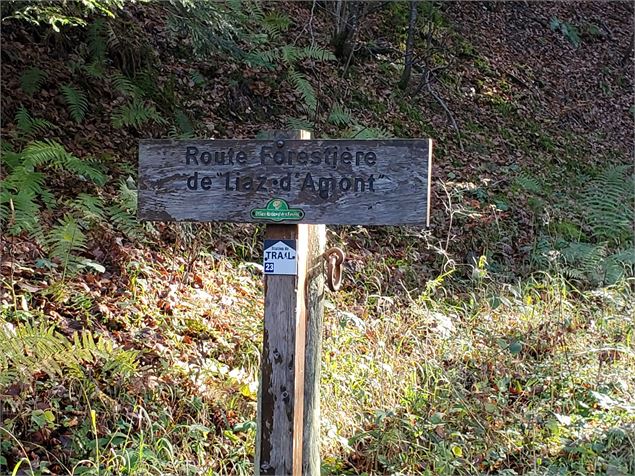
[{"x": 500, "y": 340}]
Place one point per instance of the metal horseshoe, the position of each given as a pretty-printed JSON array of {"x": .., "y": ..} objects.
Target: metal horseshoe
[{"x": 334, "y": 259}]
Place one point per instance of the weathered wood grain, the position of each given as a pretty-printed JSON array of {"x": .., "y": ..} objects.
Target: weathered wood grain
[
  {"x": 370, "y": 182},
  {"x": 314, "y": 304},
  {"x": 287, "y": 440},
  {"x": 277, "y": 399}
]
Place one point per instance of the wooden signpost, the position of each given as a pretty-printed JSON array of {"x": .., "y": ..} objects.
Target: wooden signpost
[{"x": 296, "y": 186}]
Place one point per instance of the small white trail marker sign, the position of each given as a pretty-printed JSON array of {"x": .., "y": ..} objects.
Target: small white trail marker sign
[{"x": 280, "y": 257}]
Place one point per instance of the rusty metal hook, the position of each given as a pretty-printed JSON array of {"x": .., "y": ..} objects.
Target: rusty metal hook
[{"x": 334, "y": 259}]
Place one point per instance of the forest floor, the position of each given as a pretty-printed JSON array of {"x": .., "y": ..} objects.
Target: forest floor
[{"x": 498, "y": 341}]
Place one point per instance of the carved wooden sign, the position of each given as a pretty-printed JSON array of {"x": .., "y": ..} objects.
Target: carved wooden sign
[{"x": 347, "y": 182}]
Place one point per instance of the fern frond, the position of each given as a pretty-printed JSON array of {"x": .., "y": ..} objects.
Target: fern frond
[
  {"x": 89, "y": 207},
  {"x": 135, "y": 114},
  {"x": 123, "y": 212},
  {"x": 208, "y": 26},
  {"x": 30, "y": 349},
  {"x": 127, "y": 196},
  {"x": 246, "y": 10},
  {"x": 618, "y": 265},
  {"x": 76, "y": 101},
  {"x": 125, "y": 221},
  {"x": 183, "y": 123},
  {"x": 197, "y": 78},
  {"x": 5, "y": 198},
  {"x": 20, "y": 211},
  {"x": 316, "y": 53},
  {"x": 64, "y": 240},
  {"x": 28, "y": 126},
  {"x": 32, "y": 80},
  {"x": 9, "y": 157},
  {"x": 25, "y": 178},
  {"x": 297, "y": 123},
  {"x": 263, "y": 58},
  {"x": 340, "y": 115},
  {"x": 583, "y": 261},
  {"x": 48, "y": 152},
  {"x": 275, "y": 24},
  {"x": 146, "y": 82},
  {"x": 359, "y": 131},
  {"x": 290, "y": 54},
  {"x": 45, "y": 152},
  {"x": 528, "y": 183},
  {"x": 609, "y": 204},
  {"x": 96, "y": 35},
  {"x": 304, "y": 88},
  {"x": 125, "y": 85},
  {"x": 85, "y": 169}
]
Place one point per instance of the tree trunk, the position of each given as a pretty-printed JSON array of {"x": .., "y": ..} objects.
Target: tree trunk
[
  {"x": 346, "y": 24},
  {"x": 407, "y": 70}
]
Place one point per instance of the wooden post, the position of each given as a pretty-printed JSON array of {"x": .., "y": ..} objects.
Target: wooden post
[{"x": 288, "y": 431}]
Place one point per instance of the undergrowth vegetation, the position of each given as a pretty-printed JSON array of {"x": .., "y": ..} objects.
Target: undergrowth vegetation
[{"x": 500, "y": 341}]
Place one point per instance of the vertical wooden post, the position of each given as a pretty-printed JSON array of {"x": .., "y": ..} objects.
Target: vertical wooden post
[{"x": 287, "y": 439}]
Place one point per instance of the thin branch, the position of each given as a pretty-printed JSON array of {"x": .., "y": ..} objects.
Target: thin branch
[{"x": 426, "y": 82}]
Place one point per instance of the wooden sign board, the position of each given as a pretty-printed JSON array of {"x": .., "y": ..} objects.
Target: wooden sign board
[{"x": 346, "y": 182}]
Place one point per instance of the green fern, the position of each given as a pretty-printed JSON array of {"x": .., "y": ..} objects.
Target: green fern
[
  {"x": 85, "y": 169},
  {"x": 29, "y": 349},
  {"x": 316, "y": 53},
  {"x": 210, "y": 26},
  {"x": 76, "y": 101},
  {"x": 28, "y": 126},
  {"x": 146, "y": 82},
  {"x": 64, "y": 241},
  {"x": 358, "y": 131},
  {"x": 125, "y": 85},
  {"x": 45, "y": 152},
  {"x": 340, "y": 116},
  {"x": 244, "y": 11},
  {"x": 292, "y": 54},
  {"x": 127, "y": 195},
  {"x": 19, "y": 193},
  {"x": 184, "y": 124},
  {"x": 25, "y": 178},
  {"x": 197, "y": 78},
  {"x": 584, "y": 261},
  {"x": 304, "y": 88},
  {"x": 594, "y": 264},
  {"x": 262, "y": 58},
  {"x": 135, "y": 114},
  {"x": 32, "y": 80},
  {"x": 89, "y": 208},
  {"x": 96, "y": 40},
  {"x": 275, "y": 24},
  {"x": 123, "y": 211},
  {"x": 619, "y": 265},
  {"x": 48, "y": 152},
  {"x": 528, "y": 183},
  {"x": 20, "y": 211},
  {"x": 296, "y": 123},
  {"x": 609, "y": 204},
  {"x": 115, "y": 360},
  {"x": 81, "y": 303},
  {"x": 95, "y": 64},
  {"x": 23, "y": 188}
]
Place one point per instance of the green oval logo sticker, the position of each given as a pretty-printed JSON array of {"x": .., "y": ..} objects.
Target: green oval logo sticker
[{"x": 277, "y": 210}]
